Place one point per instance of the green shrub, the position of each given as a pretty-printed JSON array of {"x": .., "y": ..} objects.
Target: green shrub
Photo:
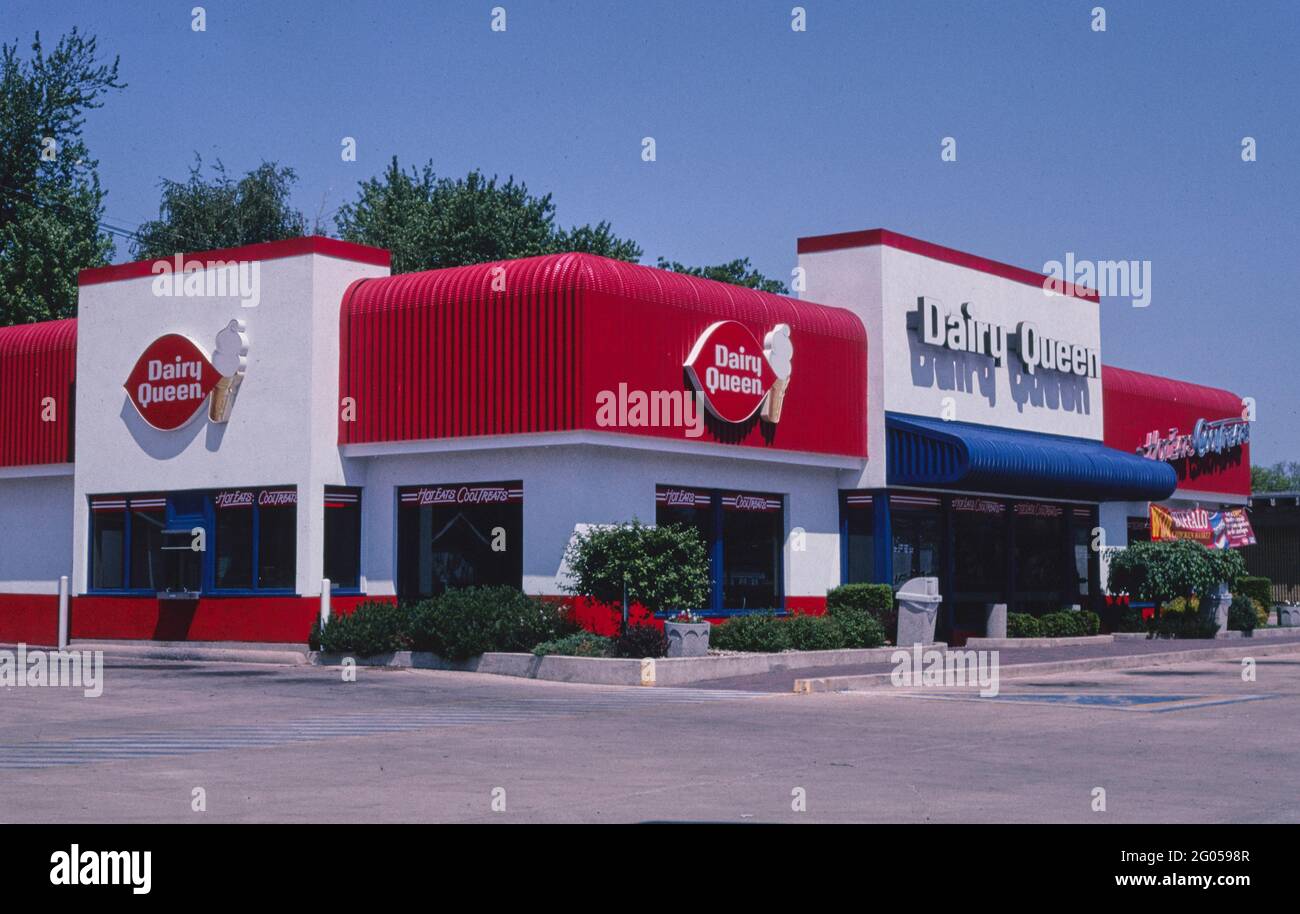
[
  {"x": 815, "y": 633},
  {"x": 860, "y": 629},
  {"x": 1242, "y": 616},
  {"x": 1130, "y": 619},
  {"x": 372, "y": 628},
  {"x": 1156, "y": 572},
  {"x": 663, "y": 568},
  {"x": 1189, "y": 622},
  {"x": 1091, "y": 622},
  {"x": 582, "y": 644},
  {"x": 876, "y": 600},
  {"x": 1259, "y": 589},
  {"x": 641, "y": 641},
  {"x": 313, "y": 637},
  {"x": 1023, "y": 625},
  {"x": 474, "y": 620},
  {"x": 1062, "y": 625},
  {"x": 755, "y": 632}
]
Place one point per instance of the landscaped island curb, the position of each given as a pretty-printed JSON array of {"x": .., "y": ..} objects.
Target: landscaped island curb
[
  {"x": 1001, "y": 643},
  {"x": 663, "y": 671}
]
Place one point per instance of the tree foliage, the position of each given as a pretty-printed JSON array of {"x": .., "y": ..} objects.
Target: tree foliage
[
  {"x": 51, "y": 203},
  {"x": 1280, "y": 477},
  {"x": 201, "y": 214},
  {"x": 738, "y": 272},
  {"x": 664, "y": 568},
  {"x": 428, "y": 222},
  {"x": 1164, "y": 570}
]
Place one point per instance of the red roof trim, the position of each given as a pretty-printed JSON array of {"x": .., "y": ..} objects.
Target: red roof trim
[
  {"x": 814, "y": 244},
  {"x": 267, "y": 250},
  {"x": 1213, "y": 400}
]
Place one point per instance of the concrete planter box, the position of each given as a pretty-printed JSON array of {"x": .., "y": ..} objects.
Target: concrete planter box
[{"x": 687, "y": 639}]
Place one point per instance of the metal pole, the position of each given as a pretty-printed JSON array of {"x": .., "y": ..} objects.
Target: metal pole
[
  {"x": 63, "y": 612},
  {"x": 324, "y": 602}
]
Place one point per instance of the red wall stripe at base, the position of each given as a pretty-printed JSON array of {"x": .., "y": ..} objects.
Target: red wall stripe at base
[
  {"x": 34, "y": 618},
  {"x": 281, "y": 620},
  {"x": 29, "y": 619}
]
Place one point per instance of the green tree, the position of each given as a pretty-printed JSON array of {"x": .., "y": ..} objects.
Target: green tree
[
  {"x": 1280, "y": 477},
  {"x": 738, "y": 272},
  {"x": 51, "y": 204},
  {"x": 220, "y": 212},
  {"x": 429, "y": 222},
  {"x": 662, "y": 568}
]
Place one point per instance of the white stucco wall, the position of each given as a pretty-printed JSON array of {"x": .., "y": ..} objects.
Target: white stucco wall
[
  {"x": 568, "y": 485},
  {"x": 282, "y": 430},
  {"x": 35, "y": 529}
]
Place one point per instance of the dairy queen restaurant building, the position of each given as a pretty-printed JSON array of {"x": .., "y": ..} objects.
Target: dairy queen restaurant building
[{"x": 303, "y": 416}]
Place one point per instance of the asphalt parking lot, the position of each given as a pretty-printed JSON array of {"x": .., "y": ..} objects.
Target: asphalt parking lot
[{"x": 1192, "y": 743}]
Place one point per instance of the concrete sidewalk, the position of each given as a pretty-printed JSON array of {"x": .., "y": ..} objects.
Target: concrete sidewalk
[{"x": 1103, "y": 656}]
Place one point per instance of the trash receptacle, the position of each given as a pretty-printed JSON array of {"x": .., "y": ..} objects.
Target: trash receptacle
[{"x": 918, "y": 608}]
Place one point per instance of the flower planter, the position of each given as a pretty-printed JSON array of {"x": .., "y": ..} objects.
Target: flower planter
[{"x": 687, "y": 639}]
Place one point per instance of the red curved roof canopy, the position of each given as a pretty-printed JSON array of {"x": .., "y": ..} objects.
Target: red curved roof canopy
[
  {"x": 38, "y": 365},
  {"x": 525, "y": 346},
  {"x": 1135, "y": 404}
]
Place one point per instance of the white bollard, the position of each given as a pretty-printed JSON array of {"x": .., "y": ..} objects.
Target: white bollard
[
  {"x": 63, "y": 612},
  {"x": 324, "y": 602}
]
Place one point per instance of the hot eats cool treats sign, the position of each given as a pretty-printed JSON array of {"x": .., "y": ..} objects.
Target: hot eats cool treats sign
[
  {"x": 737, "y": 374},
  {"x": 173, "y": 378}
]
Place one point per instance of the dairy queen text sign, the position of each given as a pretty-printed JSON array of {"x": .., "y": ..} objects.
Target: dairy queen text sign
[
  {"x": 173, "y": 378},
  {"x": 737, "y": 374},
  {"x": 170, "y": 382}
]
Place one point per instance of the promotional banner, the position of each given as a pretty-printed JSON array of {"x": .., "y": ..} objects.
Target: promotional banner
[{"x": 1213, "y": 529}]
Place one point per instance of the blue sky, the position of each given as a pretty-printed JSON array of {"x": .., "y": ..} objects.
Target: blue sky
[{"x": 1115, "y": 145}]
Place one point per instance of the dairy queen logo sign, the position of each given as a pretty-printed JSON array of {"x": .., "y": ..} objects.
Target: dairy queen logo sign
[
  {"x": 173, "y": 378},
  {"x": 737, "y": 374}
]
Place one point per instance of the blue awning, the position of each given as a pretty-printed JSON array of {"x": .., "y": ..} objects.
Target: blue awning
[{"x": 981, "y": 458}]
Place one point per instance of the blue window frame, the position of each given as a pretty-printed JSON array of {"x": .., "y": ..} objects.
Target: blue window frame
[
  {"x": 195, "y": 542},
  {"x": 744, "y": 533}
]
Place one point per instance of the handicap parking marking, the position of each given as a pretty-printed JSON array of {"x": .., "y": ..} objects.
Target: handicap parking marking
[{"x": 1150, "y": 704}]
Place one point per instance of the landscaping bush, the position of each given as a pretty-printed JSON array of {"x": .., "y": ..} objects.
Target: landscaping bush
[
  {"x": 582, "y": 644},
  {"x": 860, "y": 629},
  {"x": 756, "y": 632},
  {"x": 1091, "y": 622},
  {"x": 641, "y": 641},
  {"x": 1129, "y": 619},
  {"x": 1155, "y": 572},
  {"x": 1023, "y": 625},
  {"x": 1062, "y": 625},
  {"x": 372, "y": 628},
  {"x": 664, "y": 568},
  {"x": 815, "y": 633},
  {"x": 1242, "y": 615},
  {"x": 876, "y": 600},
  {"x": 1255, "y": 587},
  {"x": 474, "y": 620}
]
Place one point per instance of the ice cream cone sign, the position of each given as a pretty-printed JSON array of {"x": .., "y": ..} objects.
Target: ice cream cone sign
[
  {"x": 779, "y": 352},
  {"x": 229, "y": 359}
]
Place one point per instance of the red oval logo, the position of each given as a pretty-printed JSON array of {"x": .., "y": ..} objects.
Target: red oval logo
[
  {"x": 728, "y": 367},
  {"x": 170, "y": 382}
]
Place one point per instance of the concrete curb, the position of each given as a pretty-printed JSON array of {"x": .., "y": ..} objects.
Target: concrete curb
[
  {"x": 1011, "y": 643},
  {"x": 869, "y": 681},
  {"x": 663, "y": 671},
  {"x": 203, "y": 652},
  {"x": 1292, "y": 633}
]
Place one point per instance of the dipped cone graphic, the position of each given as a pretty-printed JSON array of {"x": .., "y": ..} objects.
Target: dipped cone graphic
[
  {"x": 228, "y": 359},
  {"x": 779, "y": 351}
]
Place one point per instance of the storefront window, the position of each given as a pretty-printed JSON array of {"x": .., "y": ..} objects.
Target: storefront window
[
  {"x": 1041, "y": 570},
  {"x": 743, "y": 532},
  {"x": 693, "y": 508},
  {"x": 751, "y": 551},
  {"x": 107, "y": 543},
  {"x": 233, "y": 546},
  {"x": 860, "y": 546},
  {"x": 148, "y": 519},
  {"x": 343, "y": 538},
  {"x": 1085, "y": 519},
  {"x": 916, "y": 537},
  {"x": 277, "y": 538},
  {"x": 459, "y": 535}
]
